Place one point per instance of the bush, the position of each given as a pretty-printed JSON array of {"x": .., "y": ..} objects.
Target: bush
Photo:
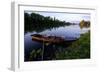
[{"x": 78, "y": 50}]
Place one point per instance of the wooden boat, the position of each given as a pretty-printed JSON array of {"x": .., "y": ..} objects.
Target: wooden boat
[{"x": 48, "y": 39}]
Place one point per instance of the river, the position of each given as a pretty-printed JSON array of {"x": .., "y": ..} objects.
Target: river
[{"x": 68, "y": 32}]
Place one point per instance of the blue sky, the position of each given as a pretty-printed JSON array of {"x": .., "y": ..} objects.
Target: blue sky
[{"x": 68, "y": 17}]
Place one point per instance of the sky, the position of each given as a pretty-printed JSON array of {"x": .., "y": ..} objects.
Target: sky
[{"x": 68, "y": 17}]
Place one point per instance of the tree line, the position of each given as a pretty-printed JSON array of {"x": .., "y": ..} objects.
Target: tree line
[{"x": 37, "y": 22}]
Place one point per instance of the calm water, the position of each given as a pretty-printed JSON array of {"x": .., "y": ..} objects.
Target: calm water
[{"x": 68, "y": 32}]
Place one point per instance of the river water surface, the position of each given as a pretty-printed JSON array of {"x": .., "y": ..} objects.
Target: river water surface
[{"x": 68, "y": 32}]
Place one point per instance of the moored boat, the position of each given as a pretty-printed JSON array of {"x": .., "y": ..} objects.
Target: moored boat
[{"x": 49, "y": 39}]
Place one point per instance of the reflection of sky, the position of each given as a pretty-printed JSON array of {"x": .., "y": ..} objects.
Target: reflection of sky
[
  {"x": 67, "y": 31},
  {"x": 65, "y": 16}
]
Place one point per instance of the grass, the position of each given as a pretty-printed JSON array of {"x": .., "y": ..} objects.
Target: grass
[{"x": 78, "y": 50}]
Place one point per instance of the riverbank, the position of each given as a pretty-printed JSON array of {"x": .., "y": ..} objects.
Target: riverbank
[{"x": 80, "y": 49}]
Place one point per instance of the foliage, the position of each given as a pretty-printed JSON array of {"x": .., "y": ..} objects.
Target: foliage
[
  {"x": 35, "y": 55},
  {"x": 85, "y": 24},
  {"x": 37, "y": 22},
  {"x": 78, "y": 50}
]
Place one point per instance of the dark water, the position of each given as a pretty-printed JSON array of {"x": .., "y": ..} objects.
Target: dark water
[{"x": 68, "y": 32}]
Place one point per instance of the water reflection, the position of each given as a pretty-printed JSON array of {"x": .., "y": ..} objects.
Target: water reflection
[{"x": 69, "y": 32}]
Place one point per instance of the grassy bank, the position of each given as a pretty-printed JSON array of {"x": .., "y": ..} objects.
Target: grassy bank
[{"x": 78, "y": 50}]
